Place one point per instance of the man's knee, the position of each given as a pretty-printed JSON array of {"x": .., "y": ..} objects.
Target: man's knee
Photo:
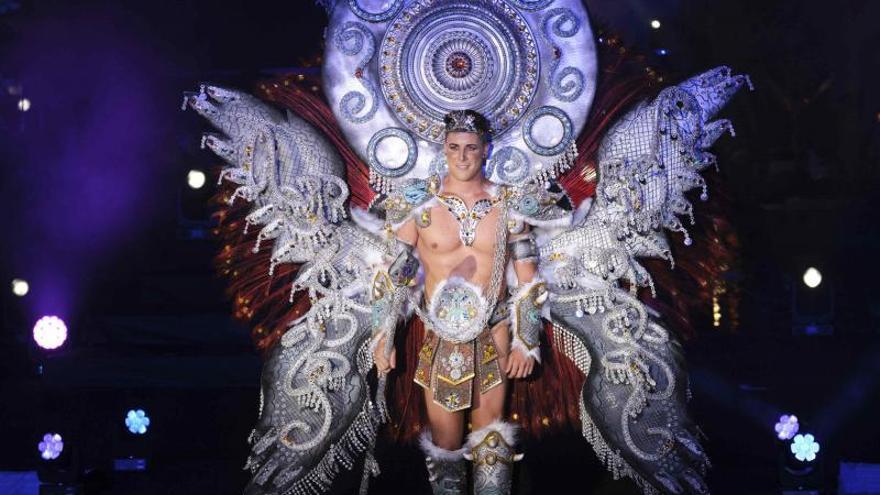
[{"x": 447, "y": 440}]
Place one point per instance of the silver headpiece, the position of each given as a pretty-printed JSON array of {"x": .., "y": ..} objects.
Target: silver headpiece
[{"x": 467, "y": 121}]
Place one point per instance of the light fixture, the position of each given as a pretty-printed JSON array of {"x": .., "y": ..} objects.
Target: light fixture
[
  {"x": 137, "y": 421},
  {"x": 812, "y": 277},
  {"x": 20, "y": 287},
  {"x": 51, "y": 446},
  {"x": 50, "y": 332},
  {"x": 787, "y": 427},
  {"x": 655, "y": 24},
  {"x": 24, "y": 105},
  {"x": 195, "y": 179},
  {"x": 805, "y": 447}
]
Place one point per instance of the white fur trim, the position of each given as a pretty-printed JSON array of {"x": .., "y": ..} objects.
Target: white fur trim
[
  {"x": 507, "y": 430},
  {"x": 561, "y": 222},
  {"x": 434, "y": 452},
  {"x": 534, "y": 352},
  {"x": 367, "y": 221}
]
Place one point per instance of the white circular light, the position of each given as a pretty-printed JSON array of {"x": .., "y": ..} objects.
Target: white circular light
[
  {"x": 195, "y": 179},
  {"x": 812, "y": 277},
  {"x": 655, "y": 24},
  {"x": 50, "y": 332},
  {"x": 20, "y": 287},
  {"x": 24, "y": 105}
]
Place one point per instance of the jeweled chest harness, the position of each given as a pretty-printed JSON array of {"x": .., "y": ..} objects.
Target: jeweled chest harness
[{"x": 467, "y": 219}]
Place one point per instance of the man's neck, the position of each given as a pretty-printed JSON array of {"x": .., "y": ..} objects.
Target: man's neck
[{"x": 473, "y": 187}]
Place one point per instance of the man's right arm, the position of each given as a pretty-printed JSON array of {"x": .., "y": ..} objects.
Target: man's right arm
[{"x": 402, "y": 274}]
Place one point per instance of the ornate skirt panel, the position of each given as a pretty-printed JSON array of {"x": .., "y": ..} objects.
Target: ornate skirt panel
[{"x": 448, "y": 369}]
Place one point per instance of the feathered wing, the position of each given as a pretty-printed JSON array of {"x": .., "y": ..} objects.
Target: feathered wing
[
  {"x": 317, "y": 412},
  {"x": 633, "y": 403}
]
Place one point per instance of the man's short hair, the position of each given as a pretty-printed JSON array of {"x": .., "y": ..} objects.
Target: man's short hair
[{"x": 467, "y": 121}]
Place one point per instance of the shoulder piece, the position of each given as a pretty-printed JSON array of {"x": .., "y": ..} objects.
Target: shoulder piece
[
  {"x": 539, "y": 205},
  {"x": 409, "y": 200}
]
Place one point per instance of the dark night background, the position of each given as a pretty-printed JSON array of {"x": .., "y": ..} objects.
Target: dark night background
[{"x": 99, "y": 219}]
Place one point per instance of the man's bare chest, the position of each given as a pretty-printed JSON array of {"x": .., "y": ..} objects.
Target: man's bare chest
[{"x": 448, "y": 232}]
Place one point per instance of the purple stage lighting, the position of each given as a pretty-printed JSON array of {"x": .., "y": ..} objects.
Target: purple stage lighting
[
  {"x": 51, "y": 446},
  {"x": 787, "y": 427},
  {"x": 50, "y": 332}
]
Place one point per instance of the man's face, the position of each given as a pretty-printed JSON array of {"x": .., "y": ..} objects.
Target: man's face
[{"x": 465, "y": 152}]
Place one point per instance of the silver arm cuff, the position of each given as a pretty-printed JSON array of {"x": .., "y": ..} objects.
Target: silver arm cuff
[
  {"x": 525, "y": 316},
  {"x": 405, "y": 267},
  {"x": 524, "y": 248}
]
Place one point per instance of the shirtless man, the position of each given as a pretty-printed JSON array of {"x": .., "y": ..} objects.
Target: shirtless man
[{"x": 456, "y": 234}]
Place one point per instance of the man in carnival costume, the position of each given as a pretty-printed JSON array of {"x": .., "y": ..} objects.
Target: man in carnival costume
[
  {"x": 473, "y": 346},
  {"x": 373, "y": 203}
]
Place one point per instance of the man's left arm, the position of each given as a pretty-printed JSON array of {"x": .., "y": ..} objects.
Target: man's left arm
[{"x": 525, "y": 307}]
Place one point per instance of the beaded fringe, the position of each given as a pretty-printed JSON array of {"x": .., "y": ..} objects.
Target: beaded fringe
[
  {"x": 574, "y": 349},
  {"x": 359, "y": 438}
]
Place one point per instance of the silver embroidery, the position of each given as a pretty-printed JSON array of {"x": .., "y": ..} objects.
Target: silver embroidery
[{"x": 467, "y": 219}]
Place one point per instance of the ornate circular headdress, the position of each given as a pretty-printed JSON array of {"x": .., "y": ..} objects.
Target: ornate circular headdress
[{"x": 394, "y": 68}]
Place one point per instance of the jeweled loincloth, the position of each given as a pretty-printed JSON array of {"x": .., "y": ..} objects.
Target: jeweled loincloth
[
  {"x": 458, "y": 346},
  {"x": 448, "y": 369}
]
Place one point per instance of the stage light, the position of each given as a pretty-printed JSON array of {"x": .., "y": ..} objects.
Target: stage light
[
  {"x": 137, "y": 421},
  {"x": 662, "y": 52},
  {"x": 812, "y": 277},
  {"x": 787, "y": 427},
  {"x": 655, "y": 24},
  {"x": 51, "y": 446},
  {"x": 50, "y": 332},
  {"x": 24, "y": 105},
  {"x": 20, "y": 287},
  {"x": 805, "y": 447},
  {"x": 195, "y": 179}
]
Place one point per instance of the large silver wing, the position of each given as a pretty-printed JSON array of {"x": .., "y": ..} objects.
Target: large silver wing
[
  {"x": 316, "y": 410},
  {"x": 633, "y": 404}
]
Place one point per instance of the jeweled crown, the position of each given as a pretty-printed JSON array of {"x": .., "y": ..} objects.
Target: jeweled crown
[{"x": 467, "y": 121}]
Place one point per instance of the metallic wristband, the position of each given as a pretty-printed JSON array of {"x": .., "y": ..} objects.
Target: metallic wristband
[
  {"x": 405, "y": 267},
  {"x": 524, "y": 248}
]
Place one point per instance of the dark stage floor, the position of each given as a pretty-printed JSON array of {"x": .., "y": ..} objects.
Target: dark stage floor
[{"x": 202, "y": 408}]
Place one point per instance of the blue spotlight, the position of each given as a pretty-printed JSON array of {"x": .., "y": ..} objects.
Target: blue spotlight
[
  {"x": 137, "y": 421},
  {"x": 805, "y": 447},
  {"x": 662, "y": 52}
]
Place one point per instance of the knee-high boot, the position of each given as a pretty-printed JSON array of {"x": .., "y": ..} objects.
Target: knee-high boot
[
  {"x": 447, "y": 471},
  {"x": 490, "y": 449}
]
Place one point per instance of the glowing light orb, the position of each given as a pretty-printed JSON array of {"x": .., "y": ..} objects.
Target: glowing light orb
[
  {"x": 51, "y": 446},
  {"x": 804, "y": 447},
  {"x": 195, "y": 179},
  {"x": 787, "y": 427},
  {"x": 50, "y": 332},
  {"x": 20, "y": 287},
  {"x": 812, "y": 277},
  {"x": 137, "y": 421},
  {"x": 24, "y": 105},
  {"x": 655, "y": 24}
]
